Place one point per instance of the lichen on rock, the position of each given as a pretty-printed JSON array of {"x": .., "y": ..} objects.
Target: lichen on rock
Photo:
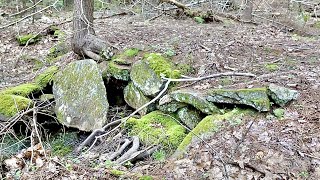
[
  {"x": 157, "y": 128},
  {"x": 195, "y": 99},
  {"x": 80, "y": 95},
  {"x": 169, "y": 105},
  {"x": 120, "y": 72},
  {"x": 145, "y": 78},
  {"x": 255, "y": 97},
  {"x": 12, "y": 104},
  {"x": 135, "y": 99},
  {"x": 189, "y": 117},
  {"x": 281, "y": 95}
]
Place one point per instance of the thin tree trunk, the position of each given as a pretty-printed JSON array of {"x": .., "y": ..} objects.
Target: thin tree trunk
[{"x": 84, "y": 41}]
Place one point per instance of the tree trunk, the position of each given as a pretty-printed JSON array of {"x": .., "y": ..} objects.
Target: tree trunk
[
  {"x": 67, "y": 4},
  {"x": 84, "y": 42}
]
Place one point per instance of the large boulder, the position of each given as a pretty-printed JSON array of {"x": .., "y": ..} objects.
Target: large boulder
[
  {"x": 195, "y": 99},
  {"x": 255, "y": 97},
  {"x": 145, "y": 78},
  {"x": 281, "y": 95},
  {"x": 135, "y": 99},
  {"x": 80, "y": 94}
]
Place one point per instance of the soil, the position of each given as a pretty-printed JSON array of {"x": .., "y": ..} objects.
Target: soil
[{"x": 261, "y": 148}]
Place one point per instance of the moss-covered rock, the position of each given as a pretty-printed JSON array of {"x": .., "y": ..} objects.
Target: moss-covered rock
[
  {"x": 132, "y": 52},
  {"x": 189, "y": 117},
  {"x": 80, "y": 95},
  {"x": 161, "y": 65},
  {"x": 22, "y": 90},
  {"x": 255, "y": 97},
  {"x": 169, "y": 105},
  {"x": 157, "y": 128},
  {"x": 45, "y": 78},
  {"x": 135, "y": 99},
  {"x": 195, "y": 99},
  {"x": 210, "y": 125},
  {"x": 120, "y": 72},
  {"x": 29, "y": 38},
  {"x": 12, "y": 104},
  {"x": 281, "y": 95},
  {"x": 145, "y": 78}
]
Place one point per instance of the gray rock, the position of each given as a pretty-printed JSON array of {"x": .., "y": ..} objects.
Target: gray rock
[
  {"x": 196, "y": 99},
  {"x": 281, "y": 95},
  {"x": 81, "y": 99},
  {"x": 135, "y": 99},
  {"x": 168, "y": 105},
  {"x": 255, "y": 97},
  {"x": 117, "y": 71},
  {"x": 189, "y": 117},
  {"x": 144, "y": 78}
]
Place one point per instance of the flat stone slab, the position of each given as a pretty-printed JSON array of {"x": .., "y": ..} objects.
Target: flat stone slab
[
  {"x": 255, "y": 97},
  {"x": 281, "y": 95}
]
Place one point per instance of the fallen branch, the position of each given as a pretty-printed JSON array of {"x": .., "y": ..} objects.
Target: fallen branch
[{"x": 141, "y": 154}]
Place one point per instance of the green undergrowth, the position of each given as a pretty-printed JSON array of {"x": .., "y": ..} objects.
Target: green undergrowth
[
  {"x": 10, "y": 145},
  {"x": 62, "y": 143},
  {"x": 157, "y": 128}
]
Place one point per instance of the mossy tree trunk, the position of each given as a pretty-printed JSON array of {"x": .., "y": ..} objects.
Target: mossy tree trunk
[{"x": 84, "y": 41}]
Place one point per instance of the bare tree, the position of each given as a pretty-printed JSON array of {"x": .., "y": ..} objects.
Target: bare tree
[{"x": 84, "y": 41}]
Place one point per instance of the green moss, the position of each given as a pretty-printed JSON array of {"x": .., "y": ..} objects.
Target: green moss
[
  {"x": 118, "y": 71},
  {"x": 12, "y": 104},
  {"x": 279, "y": 113},
  {"x": 161, "y": 65},
  {"x": 199, "y": 20},
  {"x": 146, "y": 178},
  {"x": 185, "y": 68},
  {"x": 46, "y": 77},
  {"x": 116, "y": 173},
  {"x": 56, "y": 52},
  {"x": 29, "y": 38},
  {"x": 22, "y": 90},
  {"x": 157, "y": 128},
  {"x": 211, "y": 124},
  {"x": 272, "y": 67},
  {"x": 131, "y": 52}
]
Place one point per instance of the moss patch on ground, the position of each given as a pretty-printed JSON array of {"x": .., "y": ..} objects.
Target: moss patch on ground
[
  {"x": 157, "y": 128},
  {"x": 62, "y": 143},
  {"x": 29, "y": 38}
]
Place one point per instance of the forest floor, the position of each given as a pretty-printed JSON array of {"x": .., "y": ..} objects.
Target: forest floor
[{"x": 285, "y": 149}]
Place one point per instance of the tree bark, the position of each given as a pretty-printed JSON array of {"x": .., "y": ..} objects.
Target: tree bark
[
  {"x": 67, "y": 4},
  {"x": 84, "y": 41}
]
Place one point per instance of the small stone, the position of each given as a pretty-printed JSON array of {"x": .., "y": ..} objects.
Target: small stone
[
  {"x": 281, "y": 95},
  {"x": 189, "y": 117}
]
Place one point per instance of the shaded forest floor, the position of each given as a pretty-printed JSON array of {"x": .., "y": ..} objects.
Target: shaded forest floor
[{"x": 261, "y": 147}]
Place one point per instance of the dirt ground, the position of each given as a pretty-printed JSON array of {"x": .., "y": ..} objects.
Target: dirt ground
[{"x": 262, "y": 148}]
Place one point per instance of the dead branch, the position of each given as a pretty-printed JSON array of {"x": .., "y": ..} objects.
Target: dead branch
[
  {"x": 133, "y": 149},
  {"x": 142, "y": 154},
  {"x": 121, "y": 149}
]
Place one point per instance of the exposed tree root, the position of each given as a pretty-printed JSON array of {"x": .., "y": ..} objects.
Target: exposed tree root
[
  {"x": 97, "y": 132},
  {"x": 121, "y": 149},
  {"x": 131, "y": 151}
]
